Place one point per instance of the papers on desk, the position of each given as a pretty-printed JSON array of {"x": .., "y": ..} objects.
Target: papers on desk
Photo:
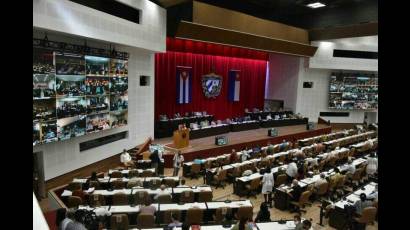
[
  {"x": 367, "y": 189},
  {"x": 232, "y": 204},
  {"x": 195, "y": 190},
  {"x": 77, "y": 180},
  {"x": 66, "y": 193},
  {"x": 90, "y": 190},
  {"x": 276, "y": 226},
  {"x": 250, "y": 177},
  {"x": 186, "y": 206}
]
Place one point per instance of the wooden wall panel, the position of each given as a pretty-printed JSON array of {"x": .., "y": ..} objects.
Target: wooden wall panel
[
  {"x": 199, "y": 32},
  {"x": 219, "y": 17}
]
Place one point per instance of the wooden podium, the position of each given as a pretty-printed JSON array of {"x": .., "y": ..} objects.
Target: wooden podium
[{"x": 181, "y": 138}]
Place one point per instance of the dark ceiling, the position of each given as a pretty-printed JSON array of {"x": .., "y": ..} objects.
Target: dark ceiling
[{"x": 336, "y": 13}]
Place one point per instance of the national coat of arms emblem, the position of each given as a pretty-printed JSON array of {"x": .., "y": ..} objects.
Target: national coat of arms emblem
[{"x": 211, "y": 85}]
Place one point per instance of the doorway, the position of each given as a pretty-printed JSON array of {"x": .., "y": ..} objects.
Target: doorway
[{"x": 38, "y": 176}]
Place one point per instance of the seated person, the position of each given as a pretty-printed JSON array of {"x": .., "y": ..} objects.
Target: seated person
[
  {"x": 233, "y": 157},
  {"x": 291, "y": 171},
  {"x": 182, "y": 184},
  {"x": 162, "y": 192},
  {"x": 319, "y": 182},
  {"x": 336, "y": 176},
  {"x": 126, "y": 159},
  {"x": 283, "y": 145},
  {"x": 92, "y": 178},
  {"x": 148, "y": 208},
  {"x": 298, "y": 222},
  {"x": 269, "y": 149},
  {"x": 263, "y": 214},
  {"x": 351, "y": 169},
  {"x": 296, "y": 191},
  {"x": 242, "y": 225},
  {"x": 306, "y": 225},
  {"x": 174, "y": 221},
  {"x": 375, "y": 194},
  {"x": 362, "y": 204},
  {"x": 245, "y": 155},
  {"x": 269, "y": 117}
]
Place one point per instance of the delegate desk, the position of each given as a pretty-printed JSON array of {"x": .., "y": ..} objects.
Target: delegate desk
[
  {"x": 275, "y": 225},
  {"x": 243, "y": 126},
  {"x": 348, "y": 140},
  {"x": 283, "y": 122},
  {"x": 175, "y": 192},
  {"x": 241, "y": 182},
  {"x": 209, "y": 131},
  {"x": 326, "y": 137},
  {"x": 166, "y": 128},
  {"x": 338, "y": 217},
  {"x": 105, "y": 182},
  {"x": 263, "y": 115},
  {"x": 125, "y": 171}
]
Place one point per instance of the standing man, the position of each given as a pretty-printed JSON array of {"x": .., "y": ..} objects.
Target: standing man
[
  {"x": 155, "y": 160},
  {"x": 178, "y": 160}
]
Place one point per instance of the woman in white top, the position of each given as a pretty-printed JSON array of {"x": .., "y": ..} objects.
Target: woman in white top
[
  {"x": 371, "y": 164},
  {"x": 267, "y": 184}
]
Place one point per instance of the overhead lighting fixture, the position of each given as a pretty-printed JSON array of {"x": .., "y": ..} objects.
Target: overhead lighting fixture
[{"x": 315, "y": 5}]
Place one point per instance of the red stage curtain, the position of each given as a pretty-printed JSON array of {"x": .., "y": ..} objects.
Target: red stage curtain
[{"x": 252, "y": 91}]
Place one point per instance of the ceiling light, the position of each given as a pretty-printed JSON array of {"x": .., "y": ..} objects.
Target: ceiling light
[{"x": 315, "y": 5}]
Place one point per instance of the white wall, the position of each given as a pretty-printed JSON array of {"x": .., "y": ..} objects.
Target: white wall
[
  {"x": 287, "y": 74},
  {"x": 282, "y": 80},
  {"x": 312, "y": 101},
  {"x": 323, "y": 58},
  {"x": 141, "y": 42},
  {"x": 72, "y": 18}
]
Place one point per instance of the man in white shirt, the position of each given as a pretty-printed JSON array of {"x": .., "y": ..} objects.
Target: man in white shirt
[
  {"x": 291, "y": 171},
  {"x": 350, "y": 167},
  {"x": 244, "y": 155},
  {"x": 126, "y": 159},
  {"x": 321, "y": 181},
  {"x": 375, "y": 194}
]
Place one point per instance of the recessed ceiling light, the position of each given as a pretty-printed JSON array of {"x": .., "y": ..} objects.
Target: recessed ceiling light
[{"x": 315, "y": 5}]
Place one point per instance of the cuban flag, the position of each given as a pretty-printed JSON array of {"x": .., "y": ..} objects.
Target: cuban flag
[
  {"x": 184, "y": 84},
  {"x": 234, "y": 85}
]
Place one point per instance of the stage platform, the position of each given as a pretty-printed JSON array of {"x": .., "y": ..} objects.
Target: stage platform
[{"x": 205, "y": 147}]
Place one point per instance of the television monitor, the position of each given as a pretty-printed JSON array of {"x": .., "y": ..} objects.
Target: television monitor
[
  {"x": 353, "y": 91},
  {"x": 74, "y": 95},
  {"x": 221, "y": 140}
]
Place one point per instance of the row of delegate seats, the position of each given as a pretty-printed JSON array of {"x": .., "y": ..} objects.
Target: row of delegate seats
[
  {"x": 124, "y": 182},
  {"x": 137, "y": 195},
  {"x": 190, "y": 213},
  {"x": 232, "y": 171},
  {"x": 194, "y": 169}
]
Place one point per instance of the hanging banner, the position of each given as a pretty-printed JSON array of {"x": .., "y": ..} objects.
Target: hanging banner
[
  {"x": 234, "y": 85},
  {"x": 184, "y": 84}
]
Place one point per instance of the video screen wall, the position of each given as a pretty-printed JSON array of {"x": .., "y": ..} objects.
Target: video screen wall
[
  {"x": 75, "y": 94},
  {"x": 353, "y": 91}
]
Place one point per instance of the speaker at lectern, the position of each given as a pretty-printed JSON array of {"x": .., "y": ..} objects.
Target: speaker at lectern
[{"x": 181, "y": 137}]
